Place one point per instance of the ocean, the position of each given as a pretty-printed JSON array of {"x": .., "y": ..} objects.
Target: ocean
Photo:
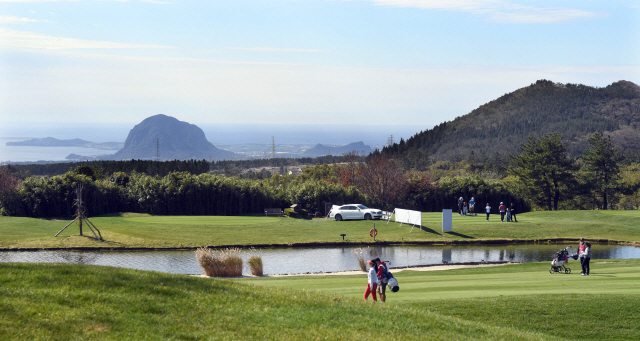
[{"x": 219, "y": 134}]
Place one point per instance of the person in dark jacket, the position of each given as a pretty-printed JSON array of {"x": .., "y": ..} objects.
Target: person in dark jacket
[
  {"x": 512, "y": 209},
  {"x": 585, "y": 258}
]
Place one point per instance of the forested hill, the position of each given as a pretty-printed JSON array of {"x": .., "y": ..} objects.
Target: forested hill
[{"x": 502, "y": 125}]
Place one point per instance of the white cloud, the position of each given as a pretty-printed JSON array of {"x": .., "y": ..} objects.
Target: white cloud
[
  {"x": 277, "y": 49},
  {"x": 497, "y": 10},
  {"x": 29, "y": 40},
  {"x": 9, "y": 19}
]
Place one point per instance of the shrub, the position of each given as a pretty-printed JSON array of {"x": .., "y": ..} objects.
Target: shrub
[
  {"x": 220, "y": 263},
  {"x": 289, "y": 212}
]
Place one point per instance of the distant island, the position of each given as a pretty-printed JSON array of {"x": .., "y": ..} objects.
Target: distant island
[
  {"x": 321, "y": 150},
  {"x": 53, "y": 142}
]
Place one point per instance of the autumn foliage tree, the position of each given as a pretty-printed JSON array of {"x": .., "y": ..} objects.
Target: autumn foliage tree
[
  {"x": 7, "y": 184},
  {"x": 349, "y": 173},
  {"x": 382, "y": 181}
]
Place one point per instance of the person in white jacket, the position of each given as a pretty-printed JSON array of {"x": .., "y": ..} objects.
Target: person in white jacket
[{"x": 373, "y": 282}]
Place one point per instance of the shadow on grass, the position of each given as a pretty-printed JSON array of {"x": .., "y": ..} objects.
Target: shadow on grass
[
  {"x": 459, "y": 235},
  {"x": 426, "y": 229}
]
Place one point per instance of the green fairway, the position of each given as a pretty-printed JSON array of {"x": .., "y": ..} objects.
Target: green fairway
[
  {"x": 145, "y": 231},
  {"x": 74, "y": 302},
  {"x": 523, "y": 296}
]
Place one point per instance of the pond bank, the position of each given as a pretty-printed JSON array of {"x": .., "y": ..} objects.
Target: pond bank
[
  {"x": 333, "y": 244},
  {"x": 425, "y": 267}
]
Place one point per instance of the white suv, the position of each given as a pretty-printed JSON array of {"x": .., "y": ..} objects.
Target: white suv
[{"x": 354, "y": 211}]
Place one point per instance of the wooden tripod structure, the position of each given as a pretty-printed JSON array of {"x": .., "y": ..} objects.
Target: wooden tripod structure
[{"x": 80, "y": 216}]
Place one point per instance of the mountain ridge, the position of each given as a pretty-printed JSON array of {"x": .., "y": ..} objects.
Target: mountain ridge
[{"x": 504, "y": 124}]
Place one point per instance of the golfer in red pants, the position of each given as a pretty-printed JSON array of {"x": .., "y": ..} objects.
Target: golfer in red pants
[{"x": 373, "y": 282}]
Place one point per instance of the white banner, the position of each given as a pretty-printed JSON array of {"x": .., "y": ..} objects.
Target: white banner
[{"x": 408, "y": 217}]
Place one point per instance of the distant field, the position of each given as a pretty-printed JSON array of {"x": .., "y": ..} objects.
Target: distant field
[
  {"x": 140, "y": 230},
  {"x": 523, "y": 296}
]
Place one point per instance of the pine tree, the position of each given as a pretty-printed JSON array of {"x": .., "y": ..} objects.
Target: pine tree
[
  {"x": 601, "y": 163},
  {"x": 546, "y": 168}
]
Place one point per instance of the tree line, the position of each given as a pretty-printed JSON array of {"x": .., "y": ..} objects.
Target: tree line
[{"x": 542, "y": 176}]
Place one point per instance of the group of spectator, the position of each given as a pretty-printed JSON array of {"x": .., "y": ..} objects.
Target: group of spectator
[
  {"x": 463, "y": 208},
  {"x": 505, "y": 212}
]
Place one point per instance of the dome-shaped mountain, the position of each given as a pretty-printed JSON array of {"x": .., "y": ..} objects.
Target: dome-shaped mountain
[{"x": 176, "y": 139}]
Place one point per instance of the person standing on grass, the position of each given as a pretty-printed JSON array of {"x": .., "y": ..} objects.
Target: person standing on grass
[
  {"x": 581, "y": 248},
  {"x": 472, "y": 204},
  {"x": 503, "y": 210},
  {"x": 512, "y": 209},
  {"x": 488, "y": 209},
  {"x": 587, "y": 259},
  {"x": 464, "y": 208},
  {"x": 460, "y": 201},
  {"x": 373, "y": 282},
  {"x": 584, "y": 250},
  {"x": 382, "y": 279}
]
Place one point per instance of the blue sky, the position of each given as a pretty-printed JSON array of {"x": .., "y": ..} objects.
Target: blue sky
[{"x": 404, "y": 62}]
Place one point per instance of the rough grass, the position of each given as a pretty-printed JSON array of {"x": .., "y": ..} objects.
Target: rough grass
[
  {"x": 75, "y": 302},
  {"x": 525, "y": 297},
  {"x": 138, "y": 230}
]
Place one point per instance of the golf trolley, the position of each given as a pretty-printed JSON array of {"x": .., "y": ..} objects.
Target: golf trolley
[{"x": 558, "y": 263}]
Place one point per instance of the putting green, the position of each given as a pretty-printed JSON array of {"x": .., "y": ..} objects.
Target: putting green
[{"x": 607, "y": 277}]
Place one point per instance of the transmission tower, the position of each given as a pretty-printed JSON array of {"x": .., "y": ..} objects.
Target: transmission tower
[
  {"x": 157, "y": 149},
  {"x": 390, "y": 141},
  {"x": 273, "y": 147}
]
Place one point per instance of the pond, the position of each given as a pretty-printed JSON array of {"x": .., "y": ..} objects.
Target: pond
[{"x": 328, "y": 259}]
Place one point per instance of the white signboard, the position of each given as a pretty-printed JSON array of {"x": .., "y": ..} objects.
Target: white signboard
[
  {"x": 447, "y": 220},
  {"x": 408, "y": 217}
]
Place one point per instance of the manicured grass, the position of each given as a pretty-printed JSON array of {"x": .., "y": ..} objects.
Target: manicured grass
[
  {"x": 139, "y": 230},
  {"x": 74, "y": 302},
  {"x": 526, "y": 297}
]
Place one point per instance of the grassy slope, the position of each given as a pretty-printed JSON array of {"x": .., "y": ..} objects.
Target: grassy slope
[
  {"x": 136, "y": 230},
  {"x": 524, "y": 296},
  {"x": 71, "y": 302}
]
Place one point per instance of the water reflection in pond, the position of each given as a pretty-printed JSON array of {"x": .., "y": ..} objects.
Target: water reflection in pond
[{"x": 282, "y": 261}]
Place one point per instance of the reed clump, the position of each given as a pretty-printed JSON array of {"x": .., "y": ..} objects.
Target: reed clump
[
  {"x": 255, "y": 265},
  {"x": 220, "y": 263},
  {"x": 359, "y": 254}
]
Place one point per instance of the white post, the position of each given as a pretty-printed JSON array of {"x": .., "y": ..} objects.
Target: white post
[{"x": 447, "y": 220}]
